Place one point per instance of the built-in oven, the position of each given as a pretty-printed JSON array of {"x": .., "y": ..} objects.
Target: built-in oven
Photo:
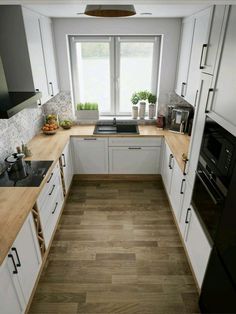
[{"x": 213, "y": 175}]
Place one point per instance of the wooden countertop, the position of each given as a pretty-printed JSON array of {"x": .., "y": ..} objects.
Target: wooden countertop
[{"x": 17, "y": 202}]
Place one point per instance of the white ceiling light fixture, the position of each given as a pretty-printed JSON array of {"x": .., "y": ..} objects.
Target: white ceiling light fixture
[{"x": 110, "y": 10}]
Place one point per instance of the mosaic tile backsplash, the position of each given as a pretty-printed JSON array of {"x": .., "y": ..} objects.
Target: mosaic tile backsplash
[{"x": 20, "y": 128}]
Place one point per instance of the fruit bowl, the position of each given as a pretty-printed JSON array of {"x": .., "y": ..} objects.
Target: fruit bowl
[
  {"x": 50, "y": 129},
  {"x": 66, "y": 124},
  {"x": 50, "y": 132}
]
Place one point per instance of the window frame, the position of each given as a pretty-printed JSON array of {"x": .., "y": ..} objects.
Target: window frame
[{"x": 114, "y": 45}]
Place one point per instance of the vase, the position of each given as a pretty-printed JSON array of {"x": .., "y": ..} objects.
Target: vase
[
  {"x": 151, "y": 111},
  {"x": 135, "y": 112},
  {"x": 142, "y": 109}
]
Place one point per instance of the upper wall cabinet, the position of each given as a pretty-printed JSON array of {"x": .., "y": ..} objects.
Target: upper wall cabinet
[
  {"x": 223, "y": 90},
  {"x": 26, "y": 49},
  {"x": 185, "y": 54},
  {"x": 48, "y": 50}
]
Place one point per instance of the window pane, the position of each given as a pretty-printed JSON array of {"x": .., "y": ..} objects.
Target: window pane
[
  {"x": 136, "y": 62},
  {"x": 93, "y": 59}
]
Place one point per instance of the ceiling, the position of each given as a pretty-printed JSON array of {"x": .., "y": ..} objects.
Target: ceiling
[{"x": 155, "y": 8}]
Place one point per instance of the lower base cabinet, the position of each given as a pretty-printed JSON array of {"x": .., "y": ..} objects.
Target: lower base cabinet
[
  {"x": 20, "y": 269},
  {"x": 134, "y": 160}
]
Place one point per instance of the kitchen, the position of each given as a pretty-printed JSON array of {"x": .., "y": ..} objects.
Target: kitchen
[{"x": 117, "y": 157}]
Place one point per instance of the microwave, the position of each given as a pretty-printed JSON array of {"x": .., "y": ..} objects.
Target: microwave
[{"x": 218, "y": 148}]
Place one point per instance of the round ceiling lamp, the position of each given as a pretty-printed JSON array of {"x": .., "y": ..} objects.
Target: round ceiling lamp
[{"x": 110, "y": 10}]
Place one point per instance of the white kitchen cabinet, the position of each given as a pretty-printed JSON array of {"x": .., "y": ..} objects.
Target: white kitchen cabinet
[
  {"x": 49, "y": 56},
  {"x": 90, "y": 155},
  {"x": 210, "y": 52},
  {"x": 197, "y": 244},
  {"x": 177, "y": 189},
  {"x": 67, "y": 166},
  {"x": 167, "y": 165},
  {"x": 20, "y": 269},
  {"x": 11, "y": 297},
  {"x": 198, "y": 126},
  {"x": 36, "y": 55},
  {"x": 200, "y": 38},
  {"x": 223, "y": 86},
  {"x": 184, "y": 55},
  {"x": 134, "y": 160}
]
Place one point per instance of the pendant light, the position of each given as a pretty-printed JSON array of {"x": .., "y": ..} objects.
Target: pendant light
[{"x": 110, "y": 10}]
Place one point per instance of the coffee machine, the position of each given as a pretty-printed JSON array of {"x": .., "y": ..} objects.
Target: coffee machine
[{"x": 178, "y": 118}]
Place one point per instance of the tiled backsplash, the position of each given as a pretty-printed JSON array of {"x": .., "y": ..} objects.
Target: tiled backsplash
[{"x": 20, "y": 128}]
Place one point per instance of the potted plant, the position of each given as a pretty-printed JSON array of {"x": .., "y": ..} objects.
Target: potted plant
[
  {"x": 135, "y": 100},
  {"x": 87, "y": 111},
  {"x": 152, "y": 99}
]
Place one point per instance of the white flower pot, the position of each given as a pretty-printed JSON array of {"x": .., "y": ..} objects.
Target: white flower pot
[
  {"x": 151, "y": 111},
  {"x": 135, "y": 112},
  {"x": 87, "y": 115},
  {"x": 142, "y": 109}
]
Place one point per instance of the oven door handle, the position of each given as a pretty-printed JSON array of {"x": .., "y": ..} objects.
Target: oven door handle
[{"x": 215, "y": 200}]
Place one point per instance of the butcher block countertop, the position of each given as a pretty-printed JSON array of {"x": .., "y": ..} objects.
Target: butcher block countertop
[{"x": 17, "y": 202}]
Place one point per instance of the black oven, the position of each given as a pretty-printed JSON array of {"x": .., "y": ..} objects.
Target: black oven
[
  {"x": 213, "y": 175},
  {"x": 218, "y": 149}
]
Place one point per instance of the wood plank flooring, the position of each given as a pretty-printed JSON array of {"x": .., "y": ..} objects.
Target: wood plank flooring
[{"x": 116, "y": 250}]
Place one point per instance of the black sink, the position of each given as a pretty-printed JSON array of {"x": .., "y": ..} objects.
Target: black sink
[{"x": 119, "y": 127}]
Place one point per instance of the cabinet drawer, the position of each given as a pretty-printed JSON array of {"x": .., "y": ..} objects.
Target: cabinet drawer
[
  {"x": 48, "y": 186},
  {"x": 134, "y": 160},
  {"x": 135, "y": 141}
]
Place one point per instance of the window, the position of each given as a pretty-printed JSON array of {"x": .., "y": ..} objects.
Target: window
[{"x": 109, "y": 69}]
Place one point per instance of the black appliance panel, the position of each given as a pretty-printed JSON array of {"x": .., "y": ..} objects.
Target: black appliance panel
[{"x": 31, "y": 176}]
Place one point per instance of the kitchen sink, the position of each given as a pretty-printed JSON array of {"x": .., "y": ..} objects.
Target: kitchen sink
[{"x": 116, "y": 127}]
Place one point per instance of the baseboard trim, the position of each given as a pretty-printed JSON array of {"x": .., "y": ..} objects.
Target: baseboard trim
[{"x": 116, "y": 177}]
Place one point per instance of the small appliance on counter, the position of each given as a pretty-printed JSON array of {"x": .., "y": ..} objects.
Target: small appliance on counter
[
  {"x": 178, "y": 118},
  {"x": 19, "y": 172}
]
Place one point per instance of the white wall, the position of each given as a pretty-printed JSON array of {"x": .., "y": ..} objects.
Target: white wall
[{"x": 168, "y": 27}]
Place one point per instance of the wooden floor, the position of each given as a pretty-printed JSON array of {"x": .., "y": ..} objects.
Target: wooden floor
[{"x": 116, "y": 250}]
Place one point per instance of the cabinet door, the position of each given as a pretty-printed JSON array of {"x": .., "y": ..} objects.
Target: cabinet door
[
  {"x": 198, "y": 126},
  {"x": 67, "y": 166},
  {"x": 177, "y": 189},
  {"x": 184, "y": 56},
  {"x": 217, "y": 27},
  {"x": 33, "y": 35},
  {"x": 134, "y": 160},
  {"x": 29, "y": 257},
  {"x": 167, "y": 166},
  {"x": 11, "y": 298},
  {"x": 90, "y": 155},
  {"x": 48, "y": 50},
  {"x": 200, "y": 37},
  {"x": 223, "y": 104},
  {"x": 198, "y": 246}
]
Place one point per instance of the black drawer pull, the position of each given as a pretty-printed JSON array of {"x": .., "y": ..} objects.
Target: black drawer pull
[
  {"x": 64, "y": 160},
  {"x": 15, "y": 271},
  {"x": 135, "y": 147},
  {"x": 202, "y": 66},
  {"x": 170, "y": 159},
  {"x": 181, "y": 188},
  {"x": 185, "y": 165},
  {"x": 39, "y": 101},
  {"x": 210, "y": 90},
  {"x": 55, "y": 208},
  {"x": 17, "y": 256},
  {"x": 53, "y": 187},
  {"x": 90, "y": 139},
  {"x": 182, "y": 89},
  {"x": 52, "y": 94},
  {"x": 50, "y": 177},
  {"x": 186, "y": 219}
]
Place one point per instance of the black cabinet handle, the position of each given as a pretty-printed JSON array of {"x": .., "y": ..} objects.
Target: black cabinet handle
[
  {"x": 55, "y": 208},
  {"x": 50, "y": 177},
  {"x": 90, "y": 139},
  {"x": 64, "y": 160},
  {"x": 182, "y": 89},
  {"x": 170, "y": 159},
  {"x": 52, "y": 94},
  {"x": 181, "y": 188},
  {"x": 53, "y": 187},
  {"x": 17, "y": 256},
  {"x": 186, "y": 219},
  {"x": 204, "y": 46},
  {"x": 15, "y": 271},
  {"x": 135, "y": 147},
  {"x": 210, "y": 90},
  {"x": 185, "y": 165},
  {"x": 37, "y": 90}
]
